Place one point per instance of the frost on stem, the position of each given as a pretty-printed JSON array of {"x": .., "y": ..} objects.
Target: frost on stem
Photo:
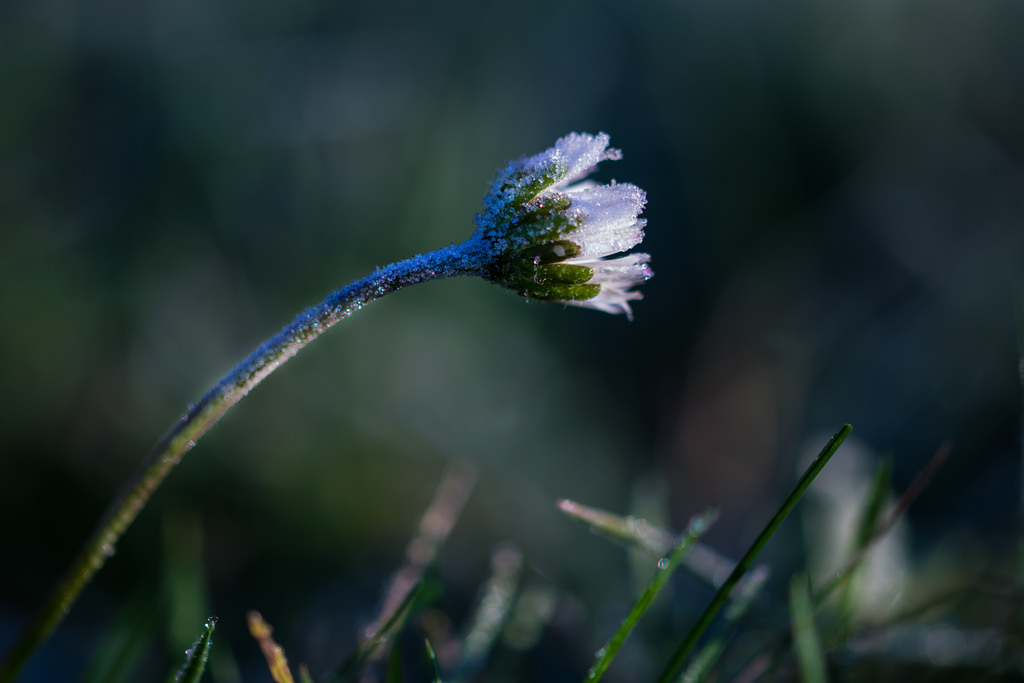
[{"x": 550, "y": 232}]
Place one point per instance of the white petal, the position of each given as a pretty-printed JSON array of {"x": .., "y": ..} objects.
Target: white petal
[
  {"x": 616, "y": 277},
  {"x": 580, "y": 153},
  {"x": 624, "y": 272},
  {"x": 611, "y": 301},
  {"x": 607, "y": 216}
]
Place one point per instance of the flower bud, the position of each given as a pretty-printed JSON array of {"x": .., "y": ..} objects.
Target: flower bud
[{"x": 550, "y": 238}]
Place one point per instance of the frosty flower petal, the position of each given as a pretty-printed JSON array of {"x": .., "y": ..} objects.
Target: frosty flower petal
[
  {"x": 616, "y": 277},
  {"x": 580, "y": 154},
  {"x": 607, "y": 216},
  {"x": 548, "y": 234}
]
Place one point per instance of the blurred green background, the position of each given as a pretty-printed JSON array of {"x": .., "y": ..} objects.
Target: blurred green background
[{"x": 836, "y": 218}]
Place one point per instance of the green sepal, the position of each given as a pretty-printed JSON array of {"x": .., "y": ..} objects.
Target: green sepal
[
  {"x": 552, "y": 292},
  {"x": 542, "y": 219},
  {"x": 549, "y": 252},
  {"x": 530, "y": 182},
  {"x": 564, "y": 274},
  {"x": 519, "y": 187},
  {"x": 523, "y": 274}
]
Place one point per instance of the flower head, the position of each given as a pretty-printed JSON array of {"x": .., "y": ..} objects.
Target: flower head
[{"x": 550, "y": 231}]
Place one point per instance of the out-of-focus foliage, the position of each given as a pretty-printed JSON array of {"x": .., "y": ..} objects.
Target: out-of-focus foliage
[{"x": 836, "y": 218}]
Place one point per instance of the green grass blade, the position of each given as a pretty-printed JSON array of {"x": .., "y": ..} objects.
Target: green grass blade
[
  {"x": 433, "y": 662},
  {"x": 809, "y": 655},
  {"x": 886, "y": 523},
  {"x": 431, "y": 534},
  {"x": 635, "y": 532},
  {"x": 393, "y": 673},
  {"x": 182, "y": 575},
  {"x": 195, "y": 657},
  {"x": 535, "y": 607},
  {"x": 702, "y": 663},
  {"x": 125, "y": 642},
  {"x": 632, "y": 531},
  {"x": 770, "y": 659},
  {"x": 874, "y": 506},
  {"x": 870, "y": 519},
  {"x": 492, "y": 612},
  {"x": 666, "y": 566},
  {"x": 423, "y": 593},
  {"x": 740, "y": 601},
  {"x": 675, "y": 664}
]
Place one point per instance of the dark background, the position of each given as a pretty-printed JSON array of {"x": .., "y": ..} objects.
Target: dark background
[{"x": 836, "y": 223}]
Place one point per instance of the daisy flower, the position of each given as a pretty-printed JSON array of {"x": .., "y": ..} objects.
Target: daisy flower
[{"x": 551, "y": 232}]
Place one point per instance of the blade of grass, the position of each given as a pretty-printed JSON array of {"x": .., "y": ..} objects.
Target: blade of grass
[
  {"x": 277, "y": 663},
  {"x": 702, "y": 663},
  {"x": 534, "y": 609},
  {"x": 195, "y": 657},
  {"x": 703, "y": 562},
  {"x": 423, "y": 593},
  {"x": 805, "y": 633},
  {"x": 666, "y": 566},
  {"x": 630, "y": 530},
  {"x": 491, "y": 613},
  {"x": 740, "y": 602},
  {"x": 875, "y": 504},
  {"x": 125, "y": 642},
  {"x": 182, "y": 574},
  {"x": 421, "y": 552},
  {"x": 874, "y": 507},
  {"x": 433, "y": 661},
  {"x": 675, "y": 664},
  {"x": 885, "y": 526},
  {"x": 766, "y": 661},
  {"x": 394, "y": 670},
  {"x": 434, "y": 528}
]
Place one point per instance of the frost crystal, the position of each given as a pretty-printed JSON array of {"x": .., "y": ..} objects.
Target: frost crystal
[{"x": 551, "y": 231}]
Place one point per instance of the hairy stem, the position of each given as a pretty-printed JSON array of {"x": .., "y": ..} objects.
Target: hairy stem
[{"x": 464, "y": 259}]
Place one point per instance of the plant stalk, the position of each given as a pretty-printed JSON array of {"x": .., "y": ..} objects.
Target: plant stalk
[{"x": 464, "y": 259}]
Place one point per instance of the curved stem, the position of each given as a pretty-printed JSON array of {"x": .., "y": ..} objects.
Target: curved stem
[{"x": 464, "y": 259}]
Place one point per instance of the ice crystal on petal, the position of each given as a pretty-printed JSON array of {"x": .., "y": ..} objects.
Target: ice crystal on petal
[{"x": 549, "y": 231}]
